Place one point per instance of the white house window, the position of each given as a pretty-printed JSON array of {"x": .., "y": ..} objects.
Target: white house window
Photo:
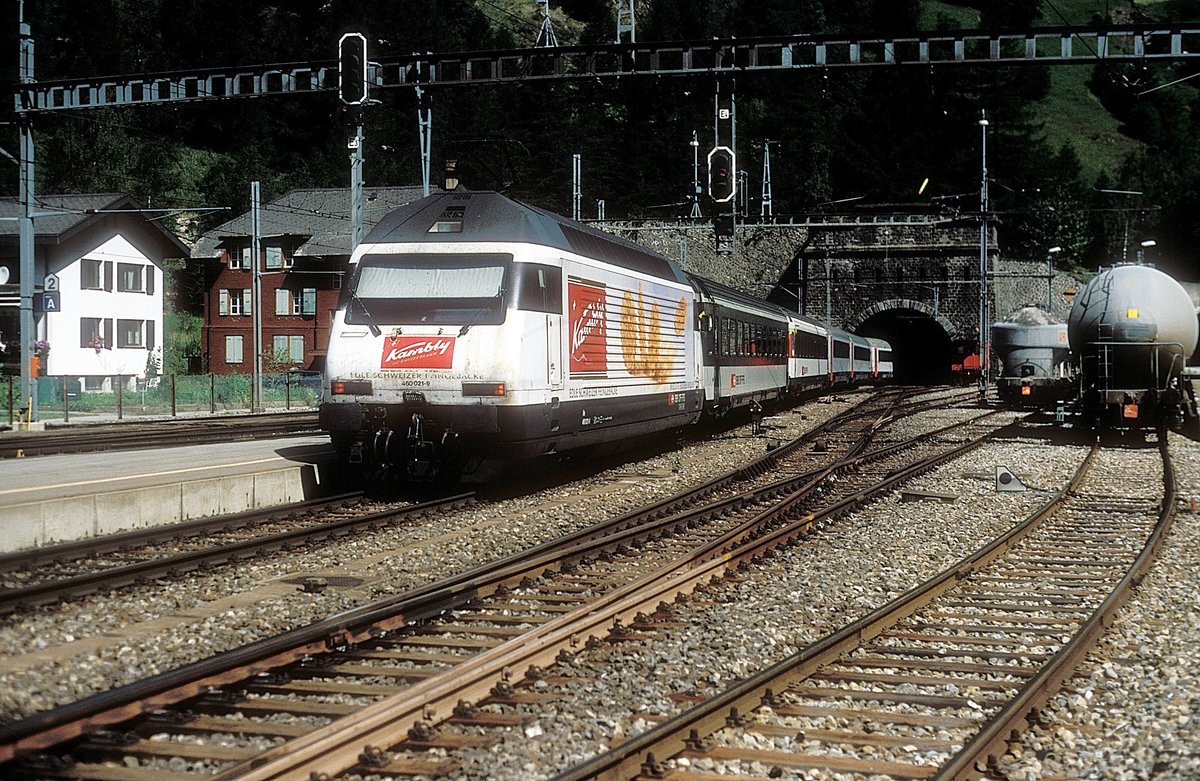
[
  {"x": 239, "y": 258},
  {"x": 129, "y": 333},
  {"x": 95, "y": 274},
  {"x": 129, "y": 277},
  {"x": 89, "y": 331},
  {"x": 288, "y": 349},
  {"x": 95, "y": 332},
  {"x": 337, "y": 281},
  {"x": 283, "y": 302},
  {"x": 233, "y": 349}
]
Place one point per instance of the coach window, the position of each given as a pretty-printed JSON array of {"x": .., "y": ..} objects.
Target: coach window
[{"x": 537, "y": 288}]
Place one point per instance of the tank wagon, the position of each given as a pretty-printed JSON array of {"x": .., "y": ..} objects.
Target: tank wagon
[
  {"x": 475, "y": 331},
  {"x": 1032, "y": 346},
  {"x": 1132, "y": 329}
]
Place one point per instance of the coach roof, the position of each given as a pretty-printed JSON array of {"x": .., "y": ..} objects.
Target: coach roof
[{"x": 459, "y": 216}]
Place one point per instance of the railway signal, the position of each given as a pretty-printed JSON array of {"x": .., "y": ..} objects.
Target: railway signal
[
  {"x": 352, "y": 69},
  {"x": 722, "y": 174}
]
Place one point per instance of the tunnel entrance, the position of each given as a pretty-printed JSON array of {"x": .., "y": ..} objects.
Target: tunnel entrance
[{"x": 922, "y": 351}]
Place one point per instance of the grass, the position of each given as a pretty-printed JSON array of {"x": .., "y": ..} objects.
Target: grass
[
  {"x": 1071, "y": 113},
  {"x": 1074, "y": 116}
]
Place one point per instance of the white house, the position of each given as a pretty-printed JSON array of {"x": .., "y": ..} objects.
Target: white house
[{"x": 105, "y": 258}]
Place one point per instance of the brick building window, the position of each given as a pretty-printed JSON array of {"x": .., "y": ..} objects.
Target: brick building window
[
  {"x": 234, "y": 302},
  {"x": 233, "y": 349},
  {"x": 288, "y": 349}
]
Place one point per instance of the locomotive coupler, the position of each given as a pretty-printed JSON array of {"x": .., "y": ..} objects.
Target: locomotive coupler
[{"x": 422, "y": 454}]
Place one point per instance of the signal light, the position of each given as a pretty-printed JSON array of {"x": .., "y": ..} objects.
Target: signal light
[
  {"x": 352, "y": 69},
  {"x": 722, "y": 174}
]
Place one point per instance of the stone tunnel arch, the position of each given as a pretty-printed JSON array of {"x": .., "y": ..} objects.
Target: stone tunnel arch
[{"x": 922, "y": 339}]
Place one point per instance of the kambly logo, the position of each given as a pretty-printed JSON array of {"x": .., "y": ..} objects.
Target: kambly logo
[
  {"x": 589, "y": 329},
  {"x": 417, "y": 352}
]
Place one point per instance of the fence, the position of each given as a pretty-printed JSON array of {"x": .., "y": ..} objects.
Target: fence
[{"x": 65, "y": 398}]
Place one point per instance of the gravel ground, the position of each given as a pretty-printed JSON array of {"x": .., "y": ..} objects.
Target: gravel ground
[
  {"x": 112, "y": 652},
  {"x": 861, "y": 562},
  {"x": 1133, "y": 710},
  {"x": 1130, "y": 714}
]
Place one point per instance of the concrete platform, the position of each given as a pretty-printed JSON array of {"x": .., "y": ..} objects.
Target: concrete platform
[{"x": 57, "y": 498}]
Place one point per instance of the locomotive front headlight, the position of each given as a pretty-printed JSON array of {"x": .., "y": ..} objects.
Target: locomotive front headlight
[
  {"x": 483, "y": 389},
  {"x": 351, "y": 387}
]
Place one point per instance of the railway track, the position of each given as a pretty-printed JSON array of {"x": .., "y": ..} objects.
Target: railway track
[
  {"x": 47, "y": 576},
  {"x": 934, "y": 684},
  {"x": 459, "y": 638},
  {"x": 87, "y": 438},
  {"x": 68, "y": 571}
]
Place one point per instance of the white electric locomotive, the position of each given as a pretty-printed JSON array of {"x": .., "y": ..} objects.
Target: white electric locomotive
[
  {"x": 474, "y": 327},
  {"x": 477, "y": 331}
]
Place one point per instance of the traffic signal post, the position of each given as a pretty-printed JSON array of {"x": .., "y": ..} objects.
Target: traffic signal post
[
  {"x": 353, "y": 91},
  {"x": 722, "y": 187}
]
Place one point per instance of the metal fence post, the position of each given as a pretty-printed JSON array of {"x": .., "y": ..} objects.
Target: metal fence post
[
  {"x": 173, "y": 399},
  {"x": 66, "y": 401},
  {"x": 212, "y": 394},
  {"x": 287, "y": 390},
  {"x": 10, "y": 401},
  {"x": 120, "y": 400}
]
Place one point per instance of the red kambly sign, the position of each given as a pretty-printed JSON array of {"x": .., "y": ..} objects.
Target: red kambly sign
[
  {"x": 418, "y": 352},
  {"x": 589, "y": 331}
]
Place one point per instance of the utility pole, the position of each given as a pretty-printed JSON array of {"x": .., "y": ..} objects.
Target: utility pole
[
  {"x": 984, "y": 341},
  {"x": 25, "y": 224},
  {"x": 256, "y": 404},
  {"x": 356, "y": 180},
  {"x": 425, "y": 126},
  {"x": 767, "y": 210},
  {"x": 546, "y": 36},
  {"x": 625, "y": 21},
  {"x": 576, "y": 185}
]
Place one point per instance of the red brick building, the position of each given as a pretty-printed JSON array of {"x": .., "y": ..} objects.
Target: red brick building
[{"x": 304, "y": 239}]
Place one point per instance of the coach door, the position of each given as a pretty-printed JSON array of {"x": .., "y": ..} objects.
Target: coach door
[{"x": 554, "y": 353}]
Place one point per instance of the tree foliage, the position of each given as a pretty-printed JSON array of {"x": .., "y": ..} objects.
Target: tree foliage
[{"x": 836, "y": 134}]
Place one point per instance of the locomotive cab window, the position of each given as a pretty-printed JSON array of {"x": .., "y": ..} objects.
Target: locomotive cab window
[
  {"x": 434, "y": 289},
  {"x": 537, "y": 288}
]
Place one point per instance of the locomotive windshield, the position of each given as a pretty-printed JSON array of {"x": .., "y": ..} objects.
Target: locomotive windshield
[{"x": 435, "y": 289}]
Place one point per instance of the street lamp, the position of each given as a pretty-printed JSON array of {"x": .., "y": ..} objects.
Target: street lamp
[
  {"x": 1142, "y": 247},
  {"x": 1050, "y": 253}
]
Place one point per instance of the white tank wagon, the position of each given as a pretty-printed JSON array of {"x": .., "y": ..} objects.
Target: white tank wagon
[
  {"x": 1032, "y": 346},
  {"x": 1132, "y": 330}
]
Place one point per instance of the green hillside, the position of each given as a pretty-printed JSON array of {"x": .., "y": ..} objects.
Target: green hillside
[{"x": 1072, "y": 114}]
